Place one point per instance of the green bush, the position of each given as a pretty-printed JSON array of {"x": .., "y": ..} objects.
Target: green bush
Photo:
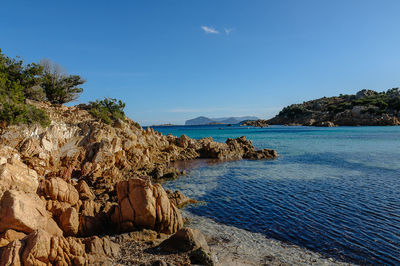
[
  {"x": 294, "y": 110},
  {"x": 107, "y": 110},
  {"x": 15, "y": 113},
  {"x": 15, "y": 80}
]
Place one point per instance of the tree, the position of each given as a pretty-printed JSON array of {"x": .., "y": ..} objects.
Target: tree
[
  {"x": 59, "y": 86},
  {"x": 16, "y": 84}
]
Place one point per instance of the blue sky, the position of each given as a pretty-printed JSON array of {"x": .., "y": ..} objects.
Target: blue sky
[{"x": 173, "y": 60}]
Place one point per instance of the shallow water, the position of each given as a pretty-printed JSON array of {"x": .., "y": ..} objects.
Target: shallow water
[{"x": 333, "y": 190}]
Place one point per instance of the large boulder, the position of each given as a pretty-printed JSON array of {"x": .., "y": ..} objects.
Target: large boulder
[
  {"x": 25, "y": 212},
  {"x": 191, "y": 241},
  {"x": 16, "y": 175},
  {"x": 186, "y": 239},
  {"x": 57, "y": 189},
  {"x": 143, "y": 205}
]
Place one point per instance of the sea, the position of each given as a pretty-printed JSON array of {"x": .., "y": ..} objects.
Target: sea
[{"x": 334, "y": 191}]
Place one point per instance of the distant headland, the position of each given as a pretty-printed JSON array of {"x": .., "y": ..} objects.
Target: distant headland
[
  {"x": 202, "y": 120},
  {"x": 365, "y": 108}
]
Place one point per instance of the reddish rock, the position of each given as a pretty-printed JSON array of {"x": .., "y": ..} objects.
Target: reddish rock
[
  {"x": 16, "y": 175},
  {"x": 25, "y": 212},
  {"x": 9, "y": 236},
  {"x": 69, "y": 222},
  {"x": 58, "y": 189},
  {"x": 186, "y": 239},
  {"x": 143, "y": 205}
]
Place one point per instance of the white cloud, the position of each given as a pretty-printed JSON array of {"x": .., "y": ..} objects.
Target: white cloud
[
  {"x": 209, "y": 30},
  {"x": 228, "y": 31}
]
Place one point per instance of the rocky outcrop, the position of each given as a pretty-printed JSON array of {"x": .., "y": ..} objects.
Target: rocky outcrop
[
  {"x": 365, "y": 108},
  {"x": 143, "y": 205},
  {"x": 41, "y": 248},
  {"x": 255, "y": 123},
  {"x": 63, "y": 186},
  {"x": 25, "y": 212},
  {"x": 17, "y": 176},
  {"x": 59, "y": 190},
  {"x": 233, "y": 149},
  {"x": 9, "y": 236}
]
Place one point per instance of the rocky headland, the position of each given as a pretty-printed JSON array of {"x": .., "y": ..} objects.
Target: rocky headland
[
  {"x": 365, "y": 108},
  {"x": 80, "y": 191},
  {"x": 202, "y": 120}
]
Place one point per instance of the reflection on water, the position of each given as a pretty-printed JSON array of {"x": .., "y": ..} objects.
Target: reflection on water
[
  {"x": 335, "y": 191},
  {"x": 193, "y": 164}
]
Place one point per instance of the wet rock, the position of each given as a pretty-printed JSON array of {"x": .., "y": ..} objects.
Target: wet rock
[
  {"x": 178, "y": 199},
  {"x": 201, "y": 257}
]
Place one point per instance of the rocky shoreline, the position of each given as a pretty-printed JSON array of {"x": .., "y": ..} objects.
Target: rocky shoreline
[
  {"x": 82, "y": 192},
  {"x": 255, "y": 123}
]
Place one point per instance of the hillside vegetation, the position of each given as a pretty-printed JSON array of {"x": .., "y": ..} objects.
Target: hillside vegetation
[
  {"x": 367, "y": 107},
  {"x": 23, "y": 85}
]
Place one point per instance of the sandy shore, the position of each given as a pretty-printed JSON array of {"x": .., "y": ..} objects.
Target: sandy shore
[{"x": 234, "y": 246}]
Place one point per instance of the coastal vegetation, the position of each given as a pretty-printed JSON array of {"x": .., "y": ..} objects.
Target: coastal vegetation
[
  {"x": 107, "y": 110},
  {"x": 367, "y": 107},
  {"x": 21, "y": 85}
]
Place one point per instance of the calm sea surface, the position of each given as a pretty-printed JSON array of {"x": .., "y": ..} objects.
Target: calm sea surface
[{"x": 333, "y": 190}]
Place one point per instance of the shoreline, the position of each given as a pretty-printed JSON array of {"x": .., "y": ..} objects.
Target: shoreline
[
  {"x": 234, "y": 246},
  {"x": 231, "y": 245}
]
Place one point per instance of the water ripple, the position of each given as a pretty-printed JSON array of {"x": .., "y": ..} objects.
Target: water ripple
[{"x": 334, "y": 191}]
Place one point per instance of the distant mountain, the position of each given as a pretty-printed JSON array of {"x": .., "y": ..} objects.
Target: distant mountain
[{"x": 202, "y": 120}]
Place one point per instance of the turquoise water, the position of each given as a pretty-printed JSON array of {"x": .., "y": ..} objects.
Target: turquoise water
[{"x": 333, "y": 190}]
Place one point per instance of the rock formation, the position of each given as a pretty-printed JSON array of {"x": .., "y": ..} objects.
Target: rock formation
[
  {"x": 366, "y": 108},
  {"x": 255, "y": 123},
  {"x": 143, "y": 205},
  {"x": 63, "y": 186}
]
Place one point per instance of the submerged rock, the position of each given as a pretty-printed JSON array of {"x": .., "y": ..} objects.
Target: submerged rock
[{"x": 178, "y": 199}]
